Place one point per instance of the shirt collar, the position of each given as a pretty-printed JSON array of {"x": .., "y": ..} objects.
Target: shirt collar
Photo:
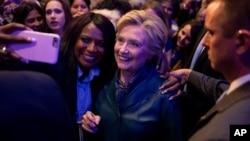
[
  {"x": 95, "y": 71},
  {"x": 238, "y": 82}
]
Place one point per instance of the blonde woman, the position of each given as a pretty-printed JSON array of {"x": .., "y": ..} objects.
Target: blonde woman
[{"x": 131, "y": 107}]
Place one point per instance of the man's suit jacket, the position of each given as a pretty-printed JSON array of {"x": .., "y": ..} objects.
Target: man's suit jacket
[
  {"x": 32, "y": 108},
  {"x": 232, "y": 109},
  {"x": 209, "y": 86}
]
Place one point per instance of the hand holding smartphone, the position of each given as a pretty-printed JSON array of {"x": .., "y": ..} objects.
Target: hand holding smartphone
[{"x": 44, "y": 48}]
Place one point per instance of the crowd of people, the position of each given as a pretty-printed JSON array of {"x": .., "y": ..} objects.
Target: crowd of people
[{"x": 127, "y": 70}]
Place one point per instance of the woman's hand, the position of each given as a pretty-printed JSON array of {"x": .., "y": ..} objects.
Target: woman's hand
[
  {"x": 6, "y": 37},
  {"x": 90, "y": 122},
  {"x": 175, "y": 80},
  {"x": 78, "y": 14}
]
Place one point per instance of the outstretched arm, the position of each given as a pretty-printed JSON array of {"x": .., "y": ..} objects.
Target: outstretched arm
[
  {"x": 211, "y": 87},
  {"x": 6, "y": 37}
]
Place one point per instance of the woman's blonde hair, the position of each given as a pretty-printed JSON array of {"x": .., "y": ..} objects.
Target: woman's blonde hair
[{"x": 154, "y": 28}]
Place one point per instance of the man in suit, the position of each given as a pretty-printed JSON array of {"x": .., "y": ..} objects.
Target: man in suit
[
  {"x": 228, "y": 42},
  {"x": 194, "y": 102},
  {"x": 32, "y": 108}
]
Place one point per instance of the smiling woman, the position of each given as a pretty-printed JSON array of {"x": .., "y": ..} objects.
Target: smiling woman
[
  {"x": 86, "y": 62},
  {"x": 131, "y": 106},
  {"x": 184, "y": 41}
]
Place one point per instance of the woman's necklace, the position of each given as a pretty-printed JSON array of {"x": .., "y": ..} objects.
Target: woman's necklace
[{"x": 122, "y": 84}]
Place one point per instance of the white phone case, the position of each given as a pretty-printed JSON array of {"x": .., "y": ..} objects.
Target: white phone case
[{"x": 45, "y": 48}]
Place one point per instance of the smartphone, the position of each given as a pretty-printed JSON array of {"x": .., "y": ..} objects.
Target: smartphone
[{"x": 44, "y": 48}]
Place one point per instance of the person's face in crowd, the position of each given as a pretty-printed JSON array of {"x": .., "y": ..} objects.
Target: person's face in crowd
[
  {"x": 78, "y": 7},
  {"x": 55, "y": 16},
  {"x": 184, "y": 37},
  {"x": 112, "y": 15},
  {"x": 131, "y": 51},
  {"x": 201, "y": 14},
  {"x": 34, "y": 20},
  {"x": 168, "y": 9},
  {"x": 89, "y": 49},
  {"x": 202, "y": 11},
  {"x": 221, "y": 49}
]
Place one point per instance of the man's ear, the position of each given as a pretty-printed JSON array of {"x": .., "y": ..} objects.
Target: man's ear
[{"x": 243, "y": 41}]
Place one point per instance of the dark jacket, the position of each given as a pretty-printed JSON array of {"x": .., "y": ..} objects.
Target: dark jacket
[
  {"x": 32, "y": 108},
  {"x": 232, "y": 109},
  {"x": 68, "y": 84},
  {"x": 145, "y": 114}
]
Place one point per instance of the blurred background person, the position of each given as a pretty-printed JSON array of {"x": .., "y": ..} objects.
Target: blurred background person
[
  {"x": 57, "y": 16},
  {"x": 171, "y": 8},
  {"x": 136, "y": 4},
  {"x": 112, "y": 9},
  {"x": 156, "y": 8},
  {"x": 201, "y": 14},
  {"x": 78, "y": 7},
  {"x": 94, "y": 2},
  {"x": 7, "y": 9},
  {"x": 33, "y": 1},
  {"x": 29, "y": 14},
  {"x": 188, "y": 11},
  {"x": 184, "y": 42}
]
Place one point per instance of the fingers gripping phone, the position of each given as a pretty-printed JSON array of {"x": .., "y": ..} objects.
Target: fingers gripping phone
[{"x": 45, "y": 47}]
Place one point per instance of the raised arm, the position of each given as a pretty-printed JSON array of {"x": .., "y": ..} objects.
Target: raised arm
[{"x": 211, "y": 87}]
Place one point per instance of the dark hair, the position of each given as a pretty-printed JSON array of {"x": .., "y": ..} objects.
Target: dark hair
[
  {"x": 22, "y": 11},
  {"x": 176, "y": 7},
  {"x": 195, "y": 30},
  {"x": 86, "y": 1},
  {"x": 120, "y": 5},
  {"x": 66, "y": 8},
  {"x": 72, "y": 35}
]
